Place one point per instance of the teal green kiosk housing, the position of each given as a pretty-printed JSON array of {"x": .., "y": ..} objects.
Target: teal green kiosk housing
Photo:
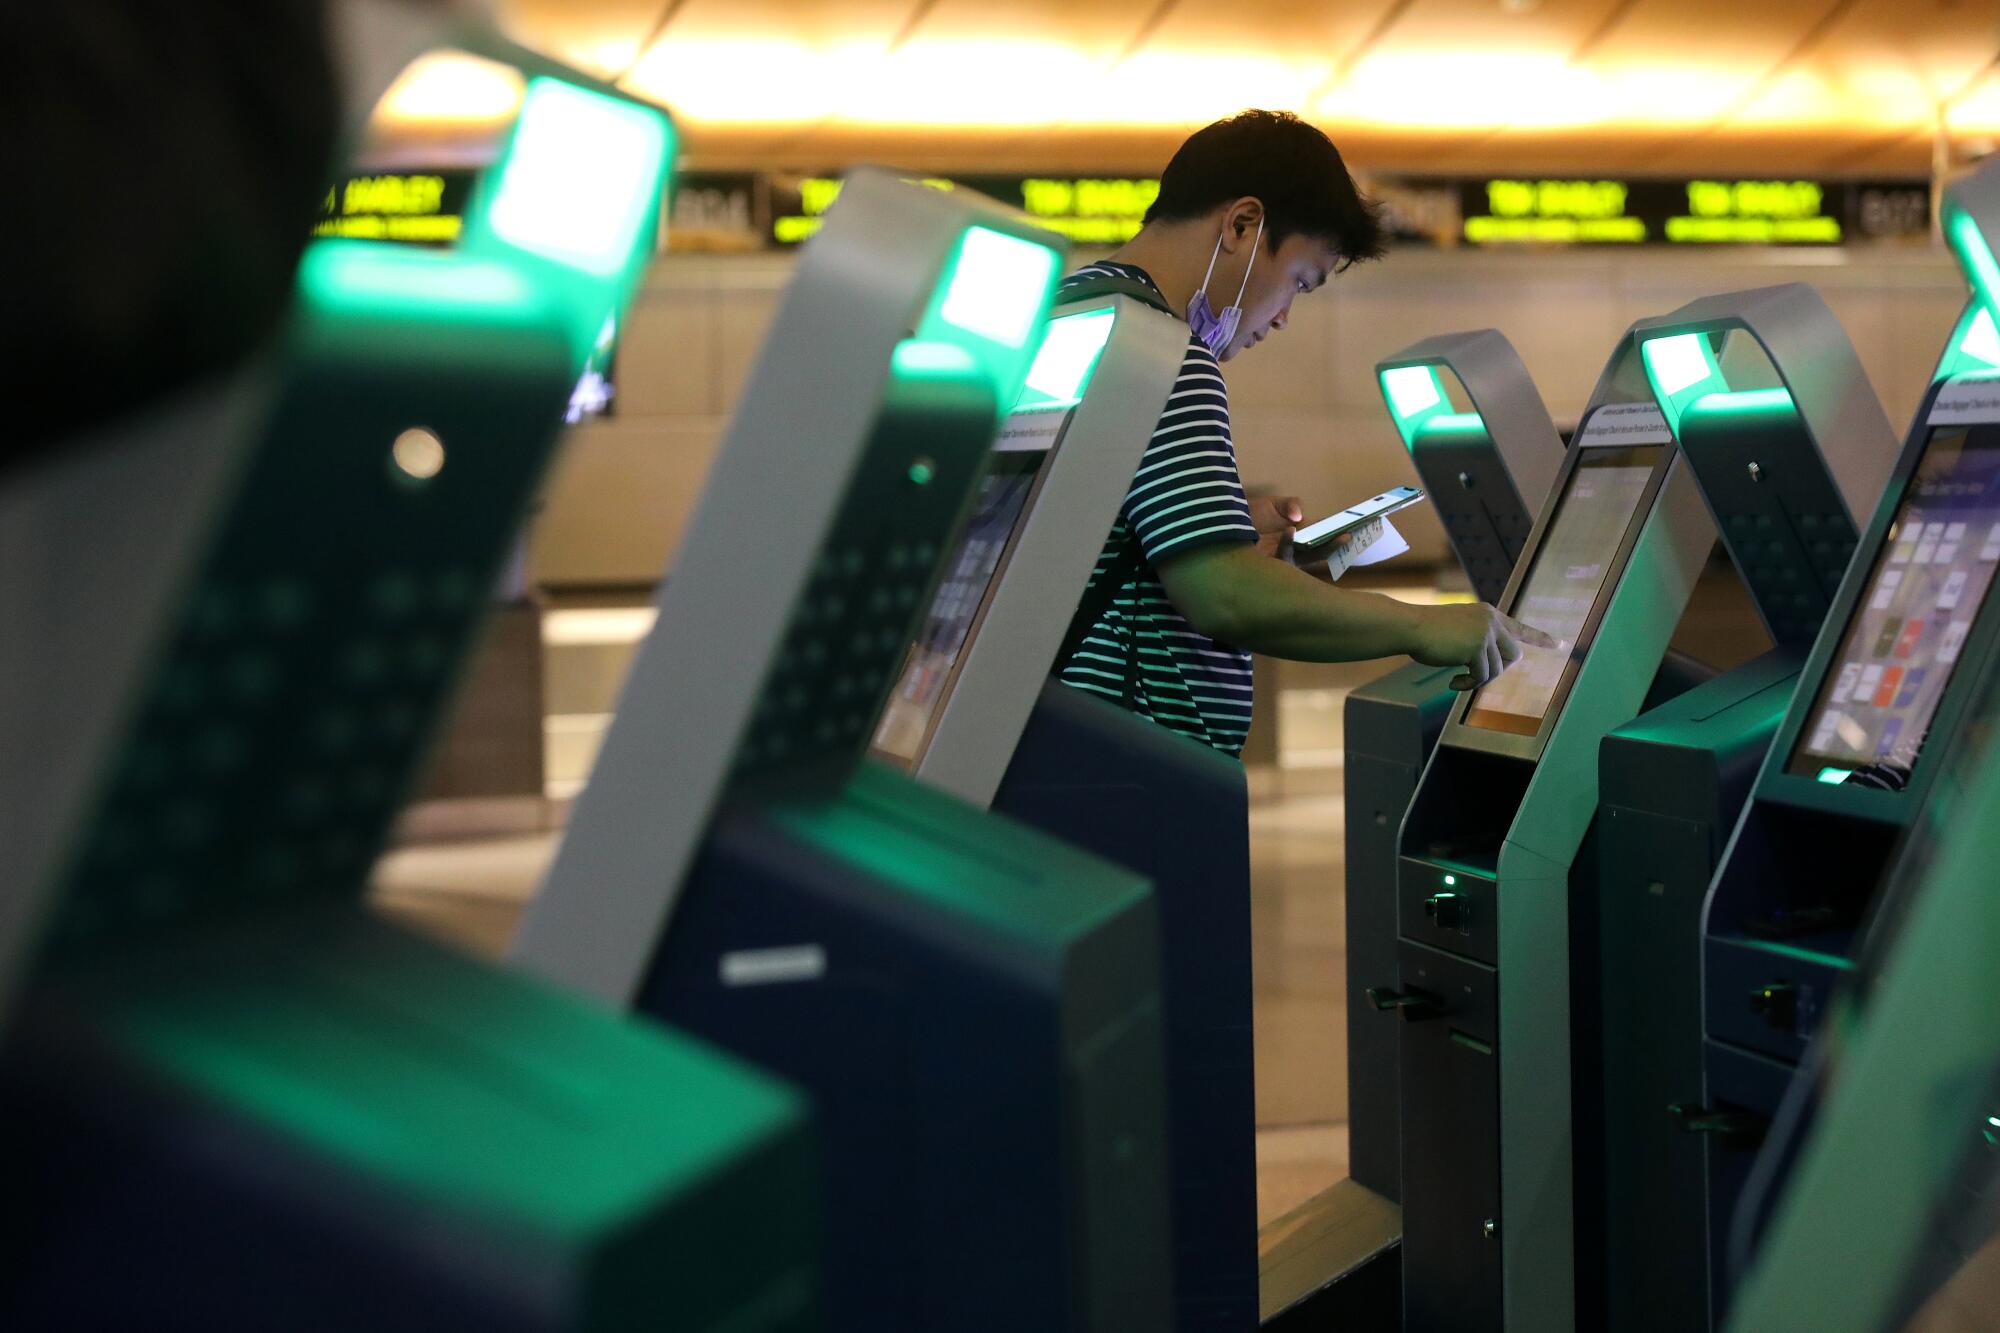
[
  {"x": 1773, "y": 413},
  {"x": 1854, "y": 764},
  {"x": 1487, "y": 470},
  {"x": 1483, "y": 886},
  {"x": 972, "y": 1006},
  {"x": 235, "y": 1097}
]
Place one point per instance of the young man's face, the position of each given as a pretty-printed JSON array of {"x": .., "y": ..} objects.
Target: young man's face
[{"x": 1302, "y": 264}]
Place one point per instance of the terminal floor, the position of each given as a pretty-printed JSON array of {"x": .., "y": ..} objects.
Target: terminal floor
[{"x": 471, "y": 890}]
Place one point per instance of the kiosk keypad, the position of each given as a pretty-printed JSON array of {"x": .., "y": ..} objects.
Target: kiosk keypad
[
  {"x": 854, "y": 619},
  {"x": 329, "y": 616}
]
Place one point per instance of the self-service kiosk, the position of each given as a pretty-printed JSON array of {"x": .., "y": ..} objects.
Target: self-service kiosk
[
  {"x": 1486, "y": 472},
  {"x": 1873, "y": 1205},
  {"x": 1483, "y": 883},
  {"x": 1852, "y": 763},
  {"x": 233, "y": 1096},
  {"x": 973, "y": 1006},
  {"x": 1775, "y": 418},
  {"x": 977, "y": 681}
]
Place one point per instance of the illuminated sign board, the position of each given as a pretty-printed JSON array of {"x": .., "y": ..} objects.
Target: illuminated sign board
[
  {"x": 749, "y": 211},
  {"x": 1689, "y": 212},
  {"x": 1090, "y": 210},
  {"x": 1561, "y": 212},
  {"x": 412, "y": 207}
]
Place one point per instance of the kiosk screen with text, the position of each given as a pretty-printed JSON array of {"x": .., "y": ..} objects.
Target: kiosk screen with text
[
  {"x": 1922, "y": 597},
  {"x": 1002, "y": 500},
  {"x": 1564, "y": 583}
]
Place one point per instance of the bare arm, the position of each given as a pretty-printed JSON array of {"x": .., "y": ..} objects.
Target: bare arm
[{"x": 1240, "y": 596}]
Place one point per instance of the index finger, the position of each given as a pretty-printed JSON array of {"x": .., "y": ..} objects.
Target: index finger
[{"x": 1529, "y": 635}]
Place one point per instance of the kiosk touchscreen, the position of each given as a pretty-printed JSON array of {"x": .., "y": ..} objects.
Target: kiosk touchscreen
[
  {"x": 1051, "y": 489},
  {"x": 1789, "y": 469},
  {"x": 1853, "y": 762},
  {"x": 973, "y": 1007},
  {"x": 235, "y": 1097},
  {"x": 1483, "y": 882},
  {"x": 1487, "y": 471},
  {"x": 976, "y": 684}
]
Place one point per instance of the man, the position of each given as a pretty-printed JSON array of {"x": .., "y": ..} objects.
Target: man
[{"x": 1259, "y": 205}]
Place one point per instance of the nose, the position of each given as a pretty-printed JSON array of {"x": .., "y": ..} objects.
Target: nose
[{"x": 1278, "y": 320}]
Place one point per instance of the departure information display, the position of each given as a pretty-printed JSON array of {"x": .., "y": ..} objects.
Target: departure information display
[
  {"x": 1874, "y": 709},
  {"x": 1569, "y": 571},
  {"x": 997, "y": 512}
]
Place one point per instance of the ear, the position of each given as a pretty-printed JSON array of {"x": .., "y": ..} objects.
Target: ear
[{"x": 1240, "y": 221}]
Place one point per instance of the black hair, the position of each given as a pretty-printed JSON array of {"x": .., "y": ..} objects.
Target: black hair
[{"x": 1288, "y": 164}]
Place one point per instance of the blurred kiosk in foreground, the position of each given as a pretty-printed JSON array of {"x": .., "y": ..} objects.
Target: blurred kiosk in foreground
[
  {"x": 1483, "y": 883},
  {"x": 234, "y": 1096},
  {"x": 1790, "y": 469},
  {"x": 1852, "y": 765},
  {"x": 1486, "y": 472},
  {"x": 978, "y": 679},
  {"x": 973, "y": 1006}
]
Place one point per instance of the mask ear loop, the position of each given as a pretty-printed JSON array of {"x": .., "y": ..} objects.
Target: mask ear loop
[
  {"x": 1243, "y": 286},
  {"x": 1213, "y": 255}
]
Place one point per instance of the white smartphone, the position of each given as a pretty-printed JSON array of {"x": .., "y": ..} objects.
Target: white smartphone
[{"x": 1355, "y": 516}]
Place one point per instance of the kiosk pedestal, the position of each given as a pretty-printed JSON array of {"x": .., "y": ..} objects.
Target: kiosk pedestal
[
  {"x": 1851, "y": 767},
  {"x": 972, "y": 1007},
  {"x": 1483, "y": 889},
  {"x": 1877, "y": 1182},
  {"x": 1785, "y": 471},
  {"x": 1171, "y": 809},
  {"x": 975, "y": 715},
  {"x": 1485, "y": 471}
]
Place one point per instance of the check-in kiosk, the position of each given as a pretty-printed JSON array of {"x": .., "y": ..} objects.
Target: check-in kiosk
[
  {"x": 1852, "y": 764},
  {"x": 1486, "y": 471},
  {"x": 235, "y": 1097},
  {"x": 1872, "y": 1205},
  {"x": 972, "y": 1006},
  {"x": 1483, "y": 883},
  {"x": 977, "y": 681},
  {"x": 1774, "y": 415}
]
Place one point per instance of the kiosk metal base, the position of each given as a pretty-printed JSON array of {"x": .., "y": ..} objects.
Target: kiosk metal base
[
  {"x": 974, "y": 1010},
  {"x": 1671, "y": 786},
  {"x": 1174, "y": 810}
]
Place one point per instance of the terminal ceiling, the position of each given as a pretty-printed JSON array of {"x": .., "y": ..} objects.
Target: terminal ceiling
[{"x": 1826, "y": 87}]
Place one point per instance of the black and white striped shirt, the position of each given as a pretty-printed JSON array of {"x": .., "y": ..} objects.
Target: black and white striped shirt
[{"x": 1187, "y": 494}]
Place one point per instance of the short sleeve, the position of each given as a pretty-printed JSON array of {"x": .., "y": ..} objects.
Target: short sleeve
[{"x": 1187, "y": 492}]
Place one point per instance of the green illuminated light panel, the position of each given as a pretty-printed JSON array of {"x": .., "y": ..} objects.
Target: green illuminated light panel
[
  {"x": 1977, "y": 257},
  {"x": 1412, "y": 390},
  {"x": 995, "y": 288},
  {"x": 1833, "y": 777},
  {"x": 1982, "y": 339},
  {"x": 1462, "y": 423},
  {"x": 915, "y": 358},
  {"x": 1069, "y": 353},
  {"x": 1749, "y": 402},
  {"x": 581, "y": 179},
  {"x": 357, "y": 276},
  {"x": 991, "y": 301},
  {"x": 1682, "y": 368},
  {"x": 1678, "y": 362}
]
